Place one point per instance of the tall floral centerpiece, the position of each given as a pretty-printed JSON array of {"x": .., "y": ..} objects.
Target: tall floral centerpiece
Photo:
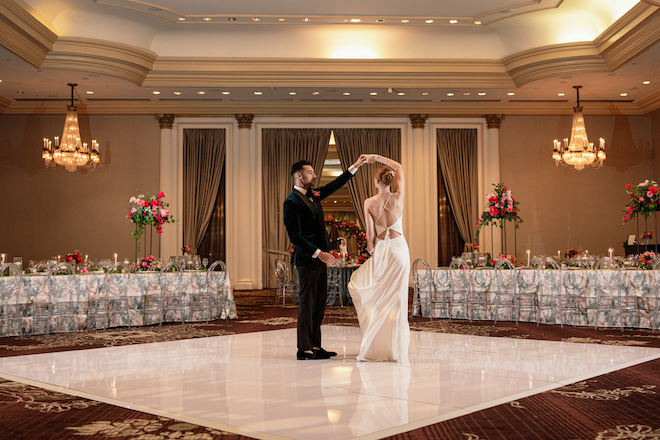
[
  {"x": 351, "y": 229},
  {"x": 148, "y": 211},
  {"x": 643, "y": 201},
  {"x": 500, "y": 206}
]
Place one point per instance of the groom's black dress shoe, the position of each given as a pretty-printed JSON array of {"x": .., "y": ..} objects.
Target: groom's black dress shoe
[
  {"x": 302, "y": 355},
  {"x": 325, "y": 353}
]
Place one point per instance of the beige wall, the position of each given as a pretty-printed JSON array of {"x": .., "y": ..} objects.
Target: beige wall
[
  {"x": 564, "y": 208},
  {"x": 46, "y": 212}
]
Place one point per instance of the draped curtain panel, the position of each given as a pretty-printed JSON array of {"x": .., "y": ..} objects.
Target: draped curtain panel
[
  {"x": 281, "y": 148},
  {"x": 351, "y": 143},
  {"x": 213, "y": 245},
  {"x": 450, "y": 242},
  {"x": 203, "y": 162},
  {"x": 457, "y": 155}
]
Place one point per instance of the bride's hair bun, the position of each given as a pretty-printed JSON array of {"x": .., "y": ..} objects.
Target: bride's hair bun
[{"x": 385, "y": 174}]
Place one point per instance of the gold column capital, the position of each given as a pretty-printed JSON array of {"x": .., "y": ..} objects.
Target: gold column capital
[
  {"x": 418, "y": 121},
  {"x": 165, "y": 121},
  {"x": 494, "y": 121},
  {"x": 244, "y": 121}
]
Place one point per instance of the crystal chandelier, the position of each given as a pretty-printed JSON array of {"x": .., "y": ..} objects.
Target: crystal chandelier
[
  {"x": 579, "y": 153},
  {"x": 71, "y": 153}
]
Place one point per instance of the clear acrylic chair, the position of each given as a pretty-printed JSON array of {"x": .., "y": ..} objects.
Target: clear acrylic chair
[
  {"x": 423, "y": 288},
  {"x": 573, "y": 298},
  {"x": 549, "y": 279},
  {"x": 217, "y": 299},
  {"x": 169, "y": 279},
  {"x": 608, "y": 280},
  {"x": 284, "y": 283},
  {"x": 479, "y": 293},
  {"x": 11, "y": 309},
  {"x": 62, "y": 297},
  {"x": 442, "y": 292},
  {"x": 526, "y": 297},
  {"x": 460, "y": 288},
  {"x": 631, "y": 295},
  {"x": 505, "y": 280},
  {"x": 112, "y": 299},
  {"x": 335, "y": 286},
  {"x": 653, "y": 299}
]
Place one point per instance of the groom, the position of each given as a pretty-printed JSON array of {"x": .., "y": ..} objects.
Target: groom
[{"x": 303, "y": 218}]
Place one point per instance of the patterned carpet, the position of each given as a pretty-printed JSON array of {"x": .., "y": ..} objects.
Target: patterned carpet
[{"x": 620, "y": 405}]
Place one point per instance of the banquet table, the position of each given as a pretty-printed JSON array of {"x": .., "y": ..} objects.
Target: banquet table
[
  {"x": 338, "y": 278},
  {"x": 86, "y": 287},
  {"x": 559, "y": 288}
]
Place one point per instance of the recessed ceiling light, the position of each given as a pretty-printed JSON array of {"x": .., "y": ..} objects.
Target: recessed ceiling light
[
  {"x": 182, "y": 19},
  {"x": 355, "y": 20},
  {"x": 201, "y": 92},
  {"x": 450, "y": 94},
  {"x": 481, "y": 93},
  {"x": 428, "y": 21},
  {"x": 645, "y": 82},
  {"x": 177, "y": 93},
  {"x": 379, "y": 20},
  {"x": 401, "y": 93},
  {"x": 281, "y": 19},
  {"x": 156, "y": 92},
  {"x": 316, "y": 93},
  {"x": 623, "y": 94},
  {"x": 510, "y": 93},
  {"x": 477, "y": 22},
  {"x": 258, "y": 93},
  {"x": 89, "y": 92},
  {"x": 256, "y": 19},
  {"x": 425, "y": 93},
  {"x": 20, "y": 92},
  {"x": 466, "y": 93},
  {"x": 347, "y": 93},
  {"x": 405, "y": 21},
  {"x": 207, "y": 18},
  {"x": 231, "y": 19},
  {"x": 561, "y": 94},
  {"x": 373, "y": 93},
  {"x": 292, "y": 93},
  {"x": 453, "y": 21},
  {"x": 225, "y": 92},
  {"x": 305, "y": 20}
]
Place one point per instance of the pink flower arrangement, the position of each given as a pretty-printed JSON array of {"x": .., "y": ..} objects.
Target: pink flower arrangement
[
  {"x": 500, "y": 206},
  {"x": 572, "y": 253},
  {"x": 646, "y": 260},
  {"x": 152, "y": 211},
  {"x": 185, "y": 249},
  {"x": 643, "y": 199},
  {"x": 147, "y": 263},
  {"x": 73, "y": 257},
  {"x": 351, "y": 229}
]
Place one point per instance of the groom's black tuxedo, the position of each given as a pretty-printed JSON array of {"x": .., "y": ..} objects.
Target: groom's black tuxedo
[
  {"x": 305, "y": 225},
  {"x": 304, "y": 221}
]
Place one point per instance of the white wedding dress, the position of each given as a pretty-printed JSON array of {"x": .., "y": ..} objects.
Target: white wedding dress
[{"x": 379, "y": 289}]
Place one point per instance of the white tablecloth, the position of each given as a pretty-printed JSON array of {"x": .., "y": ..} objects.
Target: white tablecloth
[
  {"x": 636, "y": 283},
  {"x": 87, "y": 286}
]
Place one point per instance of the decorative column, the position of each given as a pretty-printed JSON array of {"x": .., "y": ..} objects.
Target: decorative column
[
  {"x": 168, "y": 184},
  {"x": 420, "y": 211},
  {"x": 491, "y": 175},
  {"x": 244, "y": 217}
]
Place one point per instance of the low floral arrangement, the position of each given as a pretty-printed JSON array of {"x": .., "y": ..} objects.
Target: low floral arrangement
[
  {"x": 643, "y": 199},
  {"x": 147, "y": 264},
  {"x": 469, "y": 264},
  {"x": 152, "y": 211},
  {"x": 350, "y": 230},
  {"x": 647, "y": 260},
  {"x": 572, "y": 253},
  {"x": 500, "y": 206},
  {"x": 185, "y": 249},
  {"x": 73, "y": 257},
  {"x": 647, "y": 235},
  {"x": 475, "y": 247}
]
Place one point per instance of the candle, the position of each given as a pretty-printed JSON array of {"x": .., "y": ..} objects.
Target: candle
[
  {"x": 115, "y": 258},
  {"x": 528, "y": 255},
  {"x": 3, "y": 258},
  {"x": 58, "y": 258},
  {"x": 586, "y": 252},
  {"x": 559, "y": 255},
  {"x": 610, "y": 250}
]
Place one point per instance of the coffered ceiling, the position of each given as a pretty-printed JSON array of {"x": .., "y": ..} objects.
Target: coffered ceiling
[{"x": 348, "y": 58}]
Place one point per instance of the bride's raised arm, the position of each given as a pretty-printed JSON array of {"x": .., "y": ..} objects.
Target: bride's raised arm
[{"x": 396, "y": 166}]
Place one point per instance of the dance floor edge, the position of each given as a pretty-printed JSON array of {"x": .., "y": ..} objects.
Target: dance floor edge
[{"x": 250, "y": 384}]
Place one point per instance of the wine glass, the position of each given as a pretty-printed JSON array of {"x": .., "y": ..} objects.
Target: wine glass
[{"x": 205, "y": 262}]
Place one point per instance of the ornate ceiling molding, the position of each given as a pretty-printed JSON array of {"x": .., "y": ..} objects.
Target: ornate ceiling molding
[
  {"x": 230, "y": 108},
  {"x": 104, "y": 57},
  {"x": 549, "y": 61},
  {"x": 4, "y": 104},
  {"x": 631, "y": 35},
  {"x": 23, "y": 34}
]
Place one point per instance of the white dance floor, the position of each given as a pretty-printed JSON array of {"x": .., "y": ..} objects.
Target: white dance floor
[{"x": 251, "y": 384}]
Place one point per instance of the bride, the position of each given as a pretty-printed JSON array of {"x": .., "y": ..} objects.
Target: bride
[{"x": 379, "y": 288}]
